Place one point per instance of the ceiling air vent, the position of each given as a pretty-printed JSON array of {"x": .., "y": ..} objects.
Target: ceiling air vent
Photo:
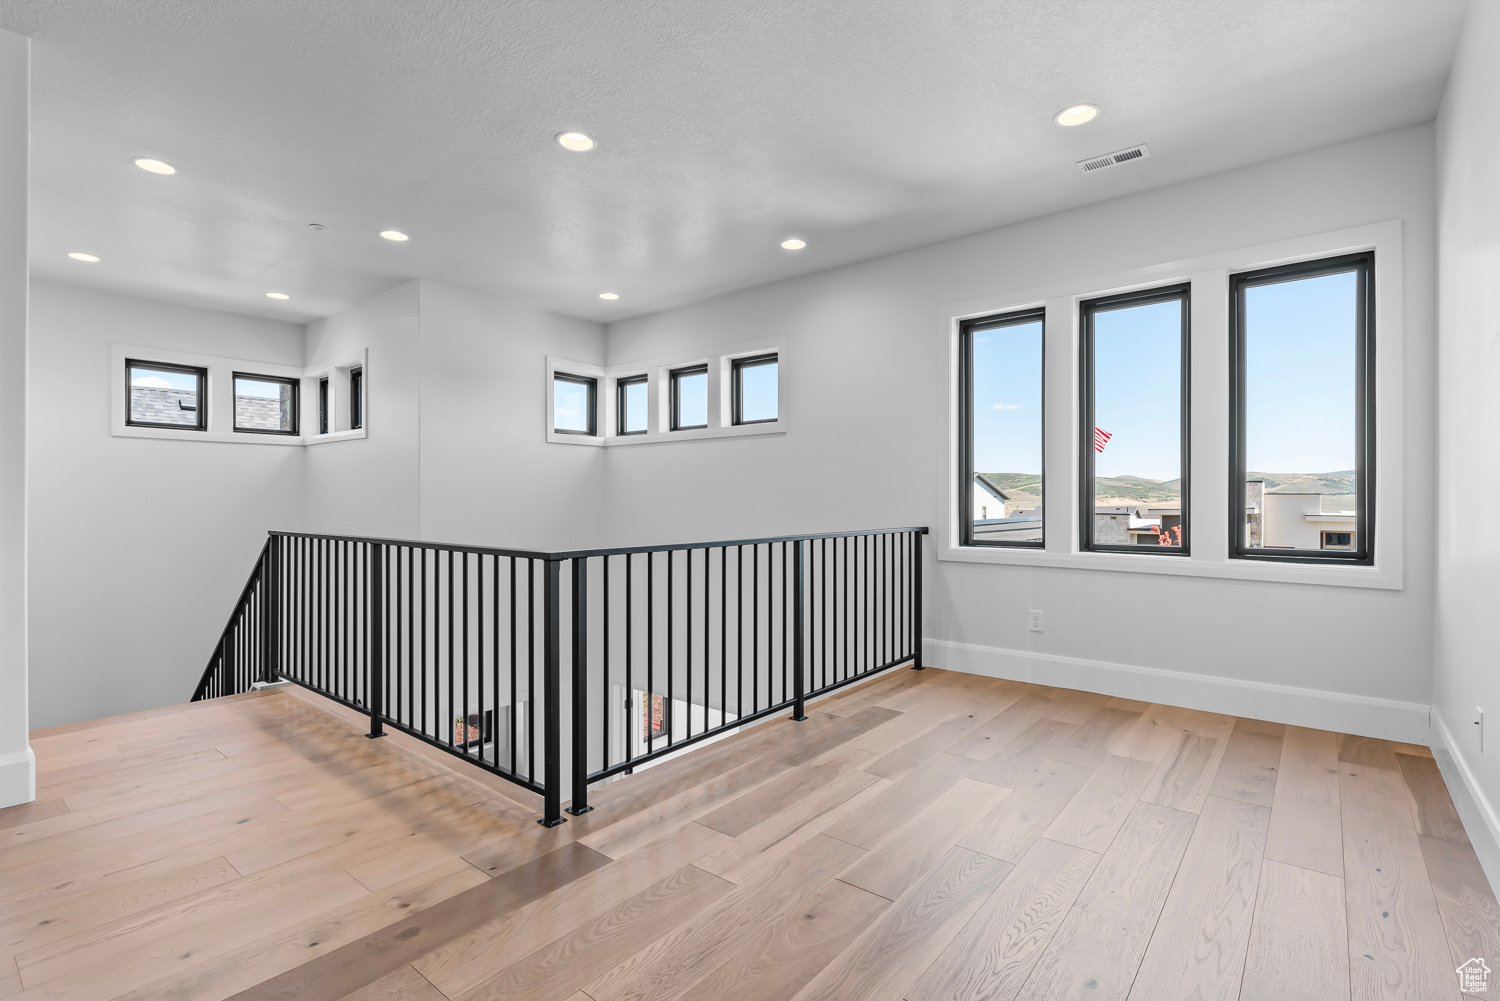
[{"x": 1096, "y": 163}]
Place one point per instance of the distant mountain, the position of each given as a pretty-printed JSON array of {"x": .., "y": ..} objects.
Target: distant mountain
[
  {"x": 1131, "y": 489},
  {"x": 1341, "y": 482}
]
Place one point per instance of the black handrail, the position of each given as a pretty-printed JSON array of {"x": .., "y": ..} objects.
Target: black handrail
[{"x": 464, "y": 647}]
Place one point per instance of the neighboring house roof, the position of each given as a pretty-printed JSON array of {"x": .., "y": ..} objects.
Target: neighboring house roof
[
  {"x": 180, "y": 406},
  {"x": 989, "y": 487},
  {"x": 1115, "y": 510},
  {"x": 164, "y": 406}
]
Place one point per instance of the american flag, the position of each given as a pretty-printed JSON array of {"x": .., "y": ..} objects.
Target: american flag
[{"x": 1101, "y": 438}]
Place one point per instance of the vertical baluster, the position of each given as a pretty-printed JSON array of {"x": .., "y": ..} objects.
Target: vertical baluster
[
  {"x": 916, "y": 601},
  {"x": 630, "y": 731},
  {"x": 799, "y": 708}
]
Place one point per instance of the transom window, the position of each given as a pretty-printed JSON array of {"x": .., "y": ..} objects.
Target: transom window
[
  {"x": 1134, "y": 445},
  {"x": 631, "y": 405},
  {"x": 573, "y": 404},
  {"x": 755, "y": 389},
  {"x": 169, "y": 396},
  {"x": 689, "y": 398},
  {"x": 1302, "y": 411},
  {"x": 265, "y": 404}
]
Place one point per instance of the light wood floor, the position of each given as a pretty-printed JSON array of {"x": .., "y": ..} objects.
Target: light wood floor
[{"x": 927, "y": 836}]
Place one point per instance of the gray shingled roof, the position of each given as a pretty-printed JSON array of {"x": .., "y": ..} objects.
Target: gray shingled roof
[{"x": 166, "y": 406}]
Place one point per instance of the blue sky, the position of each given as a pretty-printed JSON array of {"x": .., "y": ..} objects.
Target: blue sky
[
  {"x": 1138, "y": 390},
  {"x": 758, "y": 392},
  {"x": 1300, "y": 375},
  {"x": 1008, "y": 399},
  {"x": 1300, "y": 382}
]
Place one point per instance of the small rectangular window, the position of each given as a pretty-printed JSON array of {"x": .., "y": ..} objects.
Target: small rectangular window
[
  {"x": 1302, "y": 408},
  {"x": 166, "y": 396},
  {"x": 356, "y": 399},
  {"x": 322, "y": 406},
  {"x": 1000, "y": 479},
  {"x": 755, "y": 389},
  {"x": 690, "y": 398},
  {"x": 572, "y": 404},
  {"x": 1134, "y": 445},
  {"x": 265, "y": 404},
  {"x": 631, "y": 405}
]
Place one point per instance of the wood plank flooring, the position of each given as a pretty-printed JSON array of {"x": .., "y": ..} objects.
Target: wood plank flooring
[{"x": 922, "y": 837}]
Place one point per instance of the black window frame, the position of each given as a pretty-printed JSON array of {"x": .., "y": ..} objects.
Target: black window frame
[
  {"x": 323, "y": 405},
  {"x": 620, "y": 387},
  {"x": 967, "y": 472},
  {"x": 1363, "y": 553},
  {"x": 592, "y": 384},
  {"x": 736, "y": 370},
  {"x": 674, "y": 379},
  {"x": 356, "y": 398},
  {"x": 285, "y": 380},
  {"x": 1087, "y": 309},
  {"x": 202, "y": 394}
]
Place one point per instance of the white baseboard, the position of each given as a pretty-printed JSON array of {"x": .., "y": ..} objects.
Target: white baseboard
[
  {"x": 1474, "y": 808},
  {"x": 1357, "y": 714},
  {"x": 17, "y": 778}
]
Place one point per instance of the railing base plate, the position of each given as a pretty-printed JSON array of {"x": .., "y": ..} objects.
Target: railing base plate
[
  {"x": 552, "y": 823},
  {"x": 578, "y": 813},
  {"x": 799, "y": 719}
]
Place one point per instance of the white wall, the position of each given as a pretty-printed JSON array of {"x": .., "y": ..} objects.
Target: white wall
[
  {"x": 456, "y": 449},
  {"x": 1468, "y": 475},
  {"x": 17, "y": 764},
  {"x": 864, "y": 383},
  {"x": 139, "y": 546},
  {"x": 369, "y": 486}
]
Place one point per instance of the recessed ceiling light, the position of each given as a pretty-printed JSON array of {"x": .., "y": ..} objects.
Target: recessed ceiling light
[
  {"x": 609, "y": 295},
  {"x": 155, "y": 166},
  {"x": 578, "y": 142},
  {"x": 86, "y": 258},
  {"x": 1077, "y": 114},
  {"x": 793, "y": 244},
  {"x": 394, "y": 234},
  {"x": 277, "y": 295}
]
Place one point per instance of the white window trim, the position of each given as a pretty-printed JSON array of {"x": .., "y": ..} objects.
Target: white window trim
[
  {"x": 1208, "y": 499},
  {"x": 658, "y": 372},
  {"x": 220, "y": 390},
  {"x": 337, "y": 375}
]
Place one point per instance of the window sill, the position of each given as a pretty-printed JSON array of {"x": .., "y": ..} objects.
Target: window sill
[
  {"x": 235, "y": 437},
  {"x": 764, "y": 429},
  {"x": 1194, "y": 566}
]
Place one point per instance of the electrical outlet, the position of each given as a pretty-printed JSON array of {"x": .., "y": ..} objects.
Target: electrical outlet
[
  {"x": 1479, "y": 722},
  {"x": 1034, "y": 622}
]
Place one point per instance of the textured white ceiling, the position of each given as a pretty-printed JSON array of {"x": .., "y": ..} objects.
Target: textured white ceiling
[{"x": 865, "y": 127}]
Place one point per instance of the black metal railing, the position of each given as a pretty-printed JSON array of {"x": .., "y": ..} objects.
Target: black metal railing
[{"x": 464, "y": 647}]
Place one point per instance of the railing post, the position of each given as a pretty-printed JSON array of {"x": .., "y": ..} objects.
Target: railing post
[
  {"x": 580, "y": 803},
  {"x": 270, "y": 620},
  {"x": 799, "y": 682},
  {"x": 552, "y": 707},
  {"x": 375, "y": 640},
  {"x": 916, "y": 602}
]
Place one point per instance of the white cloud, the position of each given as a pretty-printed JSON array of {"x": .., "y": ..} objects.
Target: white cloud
[
  {"x": 1006, "y": 406},
  {"x": 151, "y": 382},
  {"x": 568, "y": 413}
]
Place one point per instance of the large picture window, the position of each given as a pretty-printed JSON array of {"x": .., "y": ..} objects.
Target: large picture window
[
  {"x": 166, "y": 396},
  {"x": 1302, "y": 412},
  {"x": 1000, "y": 463},
  {"x": 1134, "y": 445}
]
